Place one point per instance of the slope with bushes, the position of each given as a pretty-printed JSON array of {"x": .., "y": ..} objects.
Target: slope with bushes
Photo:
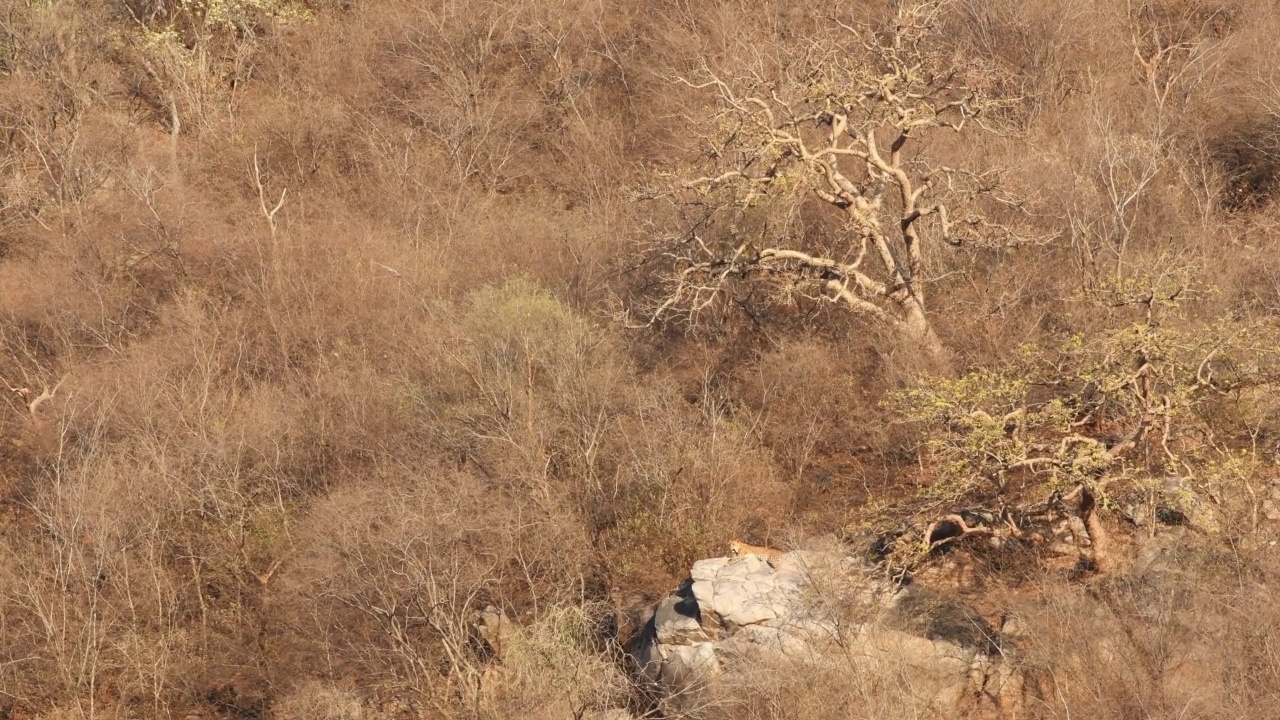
[{"x": 319, "y": 336}]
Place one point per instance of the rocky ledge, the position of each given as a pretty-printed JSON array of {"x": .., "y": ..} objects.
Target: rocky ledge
[{"x": 735, "y": 621}]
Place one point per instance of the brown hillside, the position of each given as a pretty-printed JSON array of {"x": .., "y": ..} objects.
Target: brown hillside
[{"x": 325, "y": 325}]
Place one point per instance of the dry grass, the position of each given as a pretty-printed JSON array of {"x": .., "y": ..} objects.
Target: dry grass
[{"x": 293, "y": 452}]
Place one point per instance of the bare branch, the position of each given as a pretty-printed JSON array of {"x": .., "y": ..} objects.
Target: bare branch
[
  {"x": 268, "y": 213},
  {"x": 33, "y": 403},
  {"x": 815, "y": 131}
]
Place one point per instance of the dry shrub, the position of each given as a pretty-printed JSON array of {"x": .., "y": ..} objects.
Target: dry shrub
[
  {"x": 816, "y": 689},
  {"x": 1168, "y": 639},
  {"x": 56, "y": 149},
  {"x": 91, "y": 598},
  {"x": 318, "y": 701},
  {"x": 686, "y": 484},
  {"x": 274, "y": 444},
  {"x": 548, "y": 409},
  {"x": 533, "y": 392},
  {"x": 1045, "y": 42},
  {"x": 550, "y": 461},
  {"x": 1245, "y": 148},
  {"x": 816, "y": 410},
  {"x": 553, "y": 668},
  {"x": 392, "y": 579}
]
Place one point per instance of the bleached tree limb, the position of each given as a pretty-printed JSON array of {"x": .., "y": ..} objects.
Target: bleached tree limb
[
  {"x": 843, "y": 125},
  {"x": 31, "y": 400}
]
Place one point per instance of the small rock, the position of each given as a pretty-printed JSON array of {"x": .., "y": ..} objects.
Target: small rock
[
  {"x": 1013, "y": 626},
  {"x": 494, "y": 627}
]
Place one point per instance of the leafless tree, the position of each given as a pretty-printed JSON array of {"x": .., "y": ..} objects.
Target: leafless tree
[{"x": 845, "y": 124}]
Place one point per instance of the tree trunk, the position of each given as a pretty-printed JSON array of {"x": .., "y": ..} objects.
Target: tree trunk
[{"x": 920, "y": 339}]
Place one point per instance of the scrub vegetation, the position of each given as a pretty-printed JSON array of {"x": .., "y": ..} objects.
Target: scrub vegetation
[{"x": 327, "y": 324}]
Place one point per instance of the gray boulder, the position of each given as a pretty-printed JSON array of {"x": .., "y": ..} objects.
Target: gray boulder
[{"x": 738, "y": 624}]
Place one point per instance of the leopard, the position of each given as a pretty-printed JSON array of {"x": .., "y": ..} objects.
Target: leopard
[{"x": 738, "y": 549}]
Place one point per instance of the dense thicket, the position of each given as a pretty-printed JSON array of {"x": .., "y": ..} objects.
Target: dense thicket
[{"x": 331, "y": 308}]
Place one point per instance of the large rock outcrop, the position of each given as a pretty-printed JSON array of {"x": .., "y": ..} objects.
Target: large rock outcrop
[{"x": 744, "y": 626}]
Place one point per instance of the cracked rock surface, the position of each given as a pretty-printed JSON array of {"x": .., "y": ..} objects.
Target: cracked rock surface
[{"x": 733, "y": 619}]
